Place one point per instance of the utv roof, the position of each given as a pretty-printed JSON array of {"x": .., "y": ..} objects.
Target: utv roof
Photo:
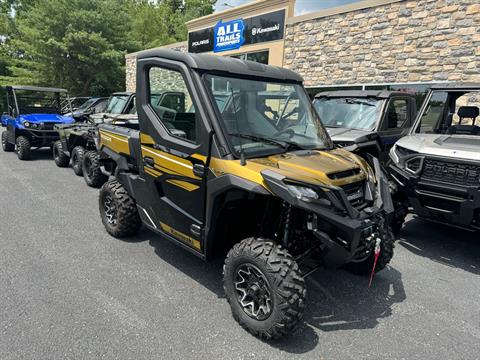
[
  {"x": 457, "y": 86},
  {"x": 379, "y": 94},
  {"x": 223, "y": 64},
  {"x": 35, "y": 88}
]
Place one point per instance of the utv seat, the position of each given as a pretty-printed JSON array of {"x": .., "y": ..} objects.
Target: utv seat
[{"x": 466, "y": 112}]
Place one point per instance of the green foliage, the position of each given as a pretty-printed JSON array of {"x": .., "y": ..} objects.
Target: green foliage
[{"x": 81, "y": 44}]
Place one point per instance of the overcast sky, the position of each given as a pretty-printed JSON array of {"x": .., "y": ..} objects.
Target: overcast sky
[{"x": 301, "y": 6}]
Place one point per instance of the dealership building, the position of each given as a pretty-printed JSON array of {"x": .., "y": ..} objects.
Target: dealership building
[{"x": 371, "y": 44}]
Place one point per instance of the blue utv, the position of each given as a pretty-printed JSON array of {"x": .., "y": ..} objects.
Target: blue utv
[{"x": 32, "y": 112}]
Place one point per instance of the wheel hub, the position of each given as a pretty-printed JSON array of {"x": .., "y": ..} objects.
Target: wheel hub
[
  {"x": 254, "y": 295},
  {"x": 110, "y": 210}
]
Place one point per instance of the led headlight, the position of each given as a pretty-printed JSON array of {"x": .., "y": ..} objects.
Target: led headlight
[
  {"x": 26, "y": 124},
  {"x": 393, "y": 154},
  {"x": 302, "y": 192}
]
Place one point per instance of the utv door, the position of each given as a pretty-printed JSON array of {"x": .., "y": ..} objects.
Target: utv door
[
  {"x": 396, "y": 122},
  {"x": 174, "y": 141}
]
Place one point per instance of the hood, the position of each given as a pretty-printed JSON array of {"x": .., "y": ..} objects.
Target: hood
[
  {"x": 47, "y": 118},
  {"x": 465, "y": 147},
  {"x": 344, "y": 135},
  {"x": 335, "y": 167}
]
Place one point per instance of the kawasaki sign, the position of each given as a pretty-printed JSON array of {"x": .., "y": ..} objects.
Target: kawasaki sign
[{"x": 231, "y": 35}]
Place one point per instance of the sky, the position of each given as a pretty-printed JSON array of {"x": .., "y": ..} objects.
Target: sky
[{"x": 301, "y": 6}]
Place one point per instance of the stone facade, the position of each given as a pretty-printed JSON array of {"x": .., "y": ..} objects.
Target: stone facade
[
  {"x": 407, "y": 41},
  {"x": 131, "y": 65}
]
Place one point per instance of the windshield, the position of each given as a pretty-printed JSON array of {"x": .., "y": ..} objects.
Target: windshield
[
  {"x": 116, "y": 104},
  {"x": 350, "y": 113},
  {"x": 87, "y": 104},
  {"x": 264, "y": 117},
  {"x": 453, "y": 112},
  {"x": 39, "y": 102}
]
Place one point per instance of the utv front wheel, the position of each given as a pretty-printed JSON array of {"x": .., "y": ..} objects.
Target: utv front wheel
[
  {"x": 264, "y": 288},
  {"x": 386, "y": 253},
  {"x": 77, "y": 160},
  {"x": 23, "y": 147},
  {"x": 91, "y": 170},
  {"x": 118, "y": 210},
  {"x": 60, "y": 158},
  {"x": 6, "y": 146}
]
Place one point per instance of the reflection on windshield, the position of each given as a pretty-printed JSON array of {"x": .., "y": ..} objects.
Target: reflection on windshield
[
  {"x": 39, "y": 102},
  {"x": 351, "y": 113},
  {"x": 86, "y": 104},
  {"x": 116, "y": 104},
  {"x": 261, "y": 117}
]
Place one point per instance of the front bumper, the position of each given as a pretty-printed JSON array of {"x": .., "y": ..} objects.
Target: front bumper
[
  {"x": 345, "y": 232},
  {"x": 439, "y": 201},
  {"x": 43, "y": 137}
]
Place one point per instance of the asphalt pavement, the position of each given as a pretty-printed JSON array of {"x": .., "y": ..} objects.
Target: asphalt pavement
[{"x": 70, "y": 291}]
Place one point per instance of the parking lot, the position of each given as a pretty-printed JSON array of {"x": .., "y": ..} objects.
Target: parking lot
[{"x": 68, "y": 290}]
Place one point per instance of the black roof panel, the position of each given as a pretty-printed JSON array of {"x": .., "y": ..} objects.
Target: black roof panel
[{"x": 223, "y": 64}]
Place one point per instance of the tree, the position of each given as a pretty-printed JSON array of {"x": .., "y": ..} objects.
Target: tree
[
  {"x": 163, "y": 22},
  {"x": 77, "y": 44}
]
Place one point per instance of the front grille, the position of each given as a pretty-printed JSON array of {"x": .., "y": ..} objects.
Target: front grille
[
  {"x": 48, "y": 126},
  {"x": 355, "y": 193},
  {"x": 451, "y": 173},
  {"x": 344, "y": 174}
]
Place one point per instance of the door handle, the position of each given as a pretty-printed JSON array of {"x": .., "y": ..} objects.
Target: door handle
[
  {"x": 149, "y": 161},
  {"x": 199, "y": 170}
]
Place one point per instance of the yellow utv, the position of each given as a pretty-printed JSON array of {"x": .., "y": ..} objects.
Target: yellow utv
[{"x": 239, "y": 165}]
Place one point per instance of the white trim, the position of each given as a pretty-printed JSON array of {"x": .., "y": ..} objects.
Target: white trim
[
  {"x": 148, "y": 216},
  {"x": 363, "y": 85},
  {"x": 167, "y": 158}
]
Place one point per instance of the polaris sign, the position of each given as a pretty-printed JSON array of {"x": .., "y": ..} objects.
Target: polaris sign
[{"x": 228, "y": 35}]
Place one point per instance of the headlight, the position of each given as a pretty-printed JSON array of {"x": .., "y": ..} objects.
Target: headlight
[
  {"x": 393, "y": 154},
  {"x": 26, "y": 124},
  {"x": 302, "y": 192}
]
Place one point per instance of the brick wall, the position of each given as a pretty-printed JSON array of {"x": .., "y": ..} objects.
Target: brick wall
[
  {"x": 424, "y": 40},
  {"x": 131, "y": 65}
]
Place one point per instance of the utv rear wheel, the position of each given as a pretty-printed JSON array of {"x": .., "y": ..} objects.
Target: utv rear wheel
[
  {"x": 6, "y": 146},
  {"x": 118, "y": 210},
  {"x": 60, "y": 158},
  {"x": 77, "y": 160},
  {"x": 264, "y": 288},
  {"x": 91, "y": 170},
  {"x": 386, "y": 253},
  {"x": 23, "y": 147}
]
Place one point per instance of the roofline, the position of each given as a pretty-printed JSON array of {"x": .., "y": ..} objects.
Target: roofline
[
  {"x": 36, "y": 88},
  {"x": 123, "y": 93},
  {"x": 457, "y": 85},
  {"x": 224, "y": 65}
]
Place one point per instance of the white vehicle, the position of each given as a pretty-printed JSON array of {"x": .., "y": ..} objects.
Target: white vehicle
[{"x": 436, "y": 168}]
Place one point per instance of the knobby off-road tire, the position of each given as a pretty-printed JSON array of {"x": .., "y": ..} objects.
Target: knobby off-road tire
[
  {"x": 401, "y": 212},
  {"x": 23, "y": 147},
  {"x": 279, "y": 280},
  {"x": 118, "y": 210},
  {"x": 386, "y": 253},
  {"x": 91, "y": 170},
  {"x": 6, "y": 146},
  {"x": 77, "y": 160},
  {"x": 60, "y": 158}
]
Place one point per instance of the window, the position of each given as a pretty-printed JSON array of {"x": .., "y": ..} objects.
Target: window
[
  {"x": 116, "y": 104},
  {"x": 260, "y": 57},
  {"x": 433, "y": 114},
  {"x": 471, "y": 100},
  {"x": 397, "y": 113},
  {"x": 172, "y": 102},
  {"x": 349, "y": 112},
  {"x": 262, "y": 117}
]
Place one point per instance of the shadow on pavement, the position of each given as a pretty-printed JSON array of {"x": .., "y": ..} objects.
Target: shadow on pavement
[
  {"x": 337, "y": 300},
  {"x": 443, "y": 244}
]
